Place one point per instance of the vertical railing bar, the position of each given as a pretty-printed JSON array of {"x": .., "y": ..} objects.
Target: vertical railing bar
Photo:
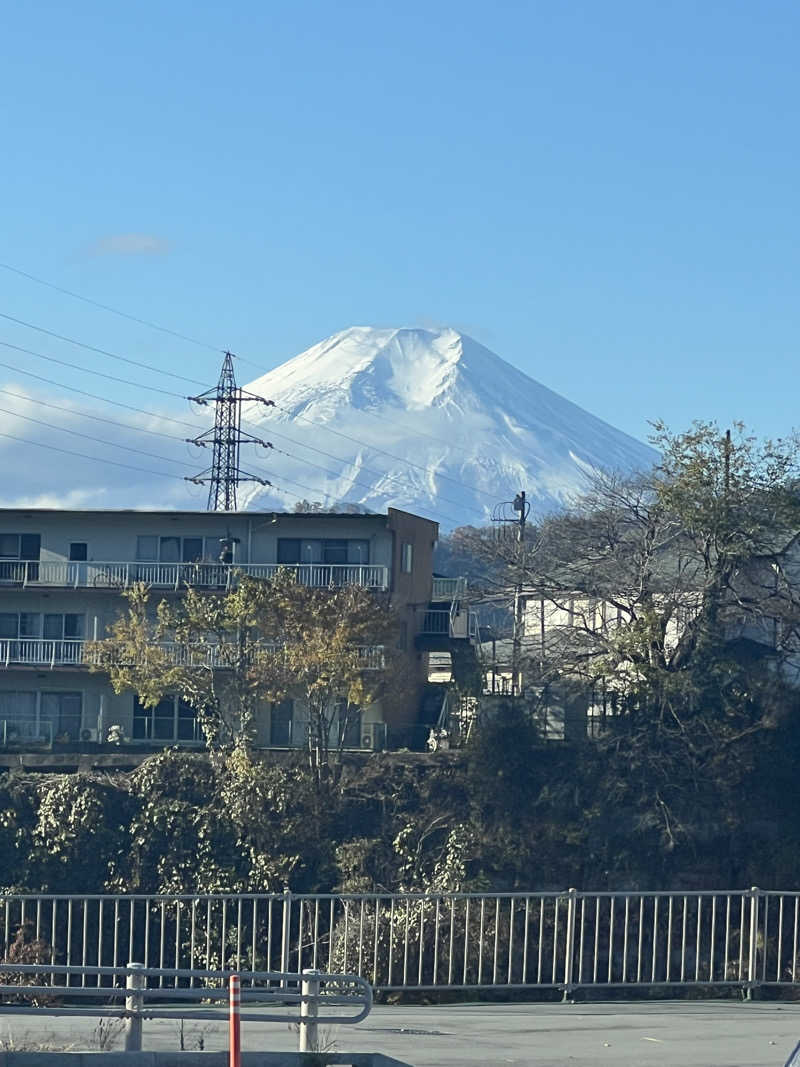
[
  {"x": 655, "y": 941},
  {"x": 239, "y": 938},
  {"x": 780, "y": 938},
  {"x": 315, "y": 955},
  {"x": 697, "y": 939},
  {"x": 596, "y": 938},
  {"x": 510, "y": 940},
  {"x": 683, "y": 941},
  {"x": 727, "y": 937},
  {"x": 669, "y": 938},
  {"x": 713, "y": 937},
  {"x": 640, "y": 940},
  {"x": 496, "y": 950},
  {"x": 555, "y": 941},
  {"x": 162, "y": 932},
  {"x": 625, "y": 940},
  {"x": 436, "y": 941},
  {"x": 254, "y": 942},
  {"x": 361, "y": 938},
  {"x": 192, "y": 940},
  {"x": 452, "y": 946},
  {"x": 223, "y": 934},
  {"x": 116, "y": 932},
  {"x": 766, "y": 938},
  {"x": 330, "y": 936},
  {"x": 208, "y": 933},
  {"x": 100, "y": 911},
  {"x": 7, "y": 923},
  {"x": 525, "y": 941},
  {"x": 794, "y": 937},
  {"x": 178, "y": 906},
  {"x": 405, "y": 942},
  {"x": 480, "y": 941},
  {"x": 580, "y": 943},
  {"x": 466, "y": 941},
  {"x": 610, "y": 938},
  {"x": 541, "y": 942},
  {"x": 741, "y": 935},
  {"x": 375, "y": 944},
  {"x": 421, "y": 939},
  {"x": 69, "y": 940},
  {"x": 53, "y": 935},
  {"x": 131, "y": 932},
  {"x": 85, "y": 946},
  {"x": 147, "y": 932},
  {"x": 346, "y": 906},
  {"x": 391, "y": 941}
]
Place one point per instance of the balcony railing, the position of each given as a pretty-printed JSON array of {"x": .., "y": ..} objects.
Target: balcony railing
[
  {"x": 38, "y": 652},
  {"x": 217, "y": 577},
  {"x": 445, "y": 589}
]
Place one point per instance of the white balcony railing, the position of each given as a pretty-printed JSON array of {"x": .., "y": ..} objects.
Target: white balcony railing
[
  {"x": 212, "y": 576},
  {"x": 38, "y": 652},
  {"x": 446, "y": 589}
]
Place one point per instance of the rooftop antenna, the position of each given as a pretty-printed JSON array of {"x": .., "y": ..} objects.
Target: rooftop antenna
[{"x": 226, "y": 438}]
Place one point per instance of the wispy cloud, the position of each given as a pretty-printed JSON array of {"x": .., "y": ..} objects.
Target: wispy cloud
[{"x": 130, "y": 244}]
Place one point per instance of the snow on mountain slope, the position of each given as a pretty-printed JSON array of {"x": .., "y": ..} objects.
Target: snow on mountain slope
[{"x": 429, "y": 421}]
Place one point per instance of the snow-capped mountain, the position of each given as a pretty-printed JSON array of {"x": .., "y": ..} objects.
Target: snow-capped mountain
[{"x": 429, "y": 421}]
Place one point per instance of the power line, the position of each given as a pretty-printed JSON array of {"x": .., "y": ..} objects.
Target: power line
[
  {"x": 107, "y": 307},
  {"x": 97, "y": 440},
  {"x": 94, "y": 459},
  {"x": 100, "y": 351},
  {"x": 88, "y": 415},
  {"x": 87, "y": 370}
]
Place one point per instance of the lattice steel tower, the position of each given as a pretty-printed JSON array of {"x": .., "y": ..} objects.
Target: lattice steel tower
[{"x": 226, "y": 438}]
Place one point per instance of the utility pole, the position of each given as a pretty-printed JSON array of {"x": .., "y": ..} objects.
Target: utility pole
[
  {"x": 521, "y": 506},
  {"x": 225, "y": 439},
  {"x": 515, "y": 514}
]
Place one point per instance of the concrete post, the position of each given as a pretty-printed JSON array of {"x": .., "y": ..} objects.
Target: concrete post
[
  {"x": 309, "y": 1010},
  {"x": 134, "y": 1002}
]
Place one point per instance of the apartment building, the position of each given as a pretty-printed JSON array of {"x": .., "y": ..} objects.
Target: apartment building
[{"x": 62, "y": 574}]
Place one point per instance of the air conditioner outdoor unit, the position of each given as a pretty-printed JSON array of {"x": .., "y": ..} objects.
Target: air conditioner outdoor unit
[
  {"x": 89, "y": 733},
  {"x": 367, "y": 737}
]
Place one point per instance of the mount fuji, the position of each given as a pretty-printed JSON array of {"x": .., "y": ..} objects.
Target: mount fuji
[{"x": 428, "y": 421}]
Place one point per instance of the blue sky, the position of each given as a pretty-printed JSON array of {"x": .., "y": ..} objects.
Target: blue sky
[{"x": 603, "y": 193}]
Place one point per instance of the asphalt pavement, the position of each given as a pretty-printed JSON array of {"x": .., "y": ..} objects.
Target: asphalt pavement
[{"x": 656, "y": 1034}]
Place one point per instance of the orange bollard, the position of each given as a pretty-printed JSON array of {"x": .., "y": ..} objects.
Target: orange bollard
[{"x": 235, "y": 1039}]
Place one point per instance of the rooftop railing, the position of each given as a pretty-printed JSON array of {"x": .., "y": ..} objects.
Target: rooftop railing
[{"x": 216, "y": 577}]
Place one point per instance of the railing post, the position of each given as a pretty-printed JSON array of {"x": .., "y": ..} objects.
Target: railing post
[
  {"x": 752, "y": 955},
  {"x": 309, "y": 1010},
  {"x": 134, "y": 1002},
  {"x": 286, "y": 931},
  {"x": 234, "y": 1023},
  {"x": 572, "y": 904}
]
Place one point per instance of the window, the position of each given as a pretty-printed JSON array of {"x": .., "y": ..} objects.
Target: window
[
  {"x": 15, "y": 548},
  {"x": 147, "y": 547},
  {"x": 172, "y": 719},
  {"x": 68, "y": 627},
  {"x": 57, "y": 627},
  {"x": 338, "y": 551},
  {"x": 18, "y": 718},
  {"x": 152, "y": 549},
  {"x": 281, "y": 723},
  {"x": 78, "y": 552},
  {"x": 63, "y": 712},
  {"x": 406, "y": 557}
]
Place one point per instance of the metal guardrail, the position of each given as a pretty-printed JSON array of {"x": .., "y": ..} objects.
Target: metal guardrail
[
  {"x": 564, "y": 940},
  {"x": 310, "y": 992},
  {"x": 213, "y": 576}
]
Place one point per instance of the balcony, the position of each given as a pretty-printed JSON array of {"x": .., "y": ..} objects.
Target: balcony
[
  {"x": 216, "y": 577},
  {"x": 37, "y": 652},
  {"x": 448, "y": 589}
]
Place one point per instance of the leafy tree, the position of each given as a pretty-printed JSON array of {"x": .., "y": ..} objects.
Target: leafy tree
[{"x": 229, "y": 654}]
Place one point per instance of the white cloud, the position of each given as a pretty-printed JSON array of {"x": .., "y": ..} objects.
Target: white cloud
[{"x": 130, "y": 244}]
